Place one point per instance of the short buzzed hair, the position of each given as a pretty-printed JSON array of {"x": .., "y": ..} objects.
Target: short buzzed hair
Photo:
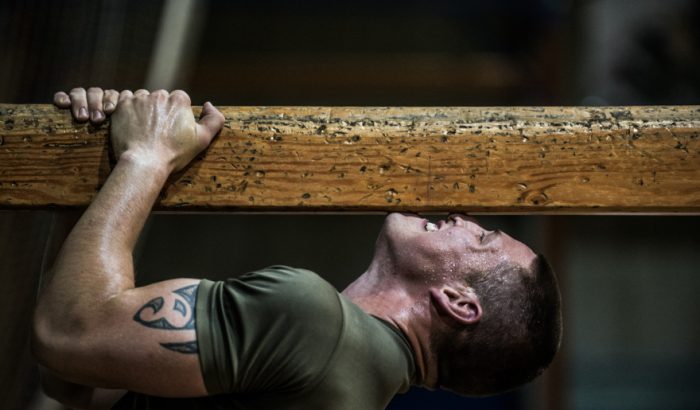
[{"x": 517, "y": 337}]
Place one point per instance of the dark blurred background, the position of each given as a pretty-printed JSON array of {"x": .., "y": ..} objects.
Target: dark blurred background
[{"x": 630, "y": 283}]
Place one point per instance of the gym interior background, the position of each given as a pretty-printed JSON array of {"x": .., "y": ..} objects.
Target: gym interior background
[{"x": 629, "y": 283}]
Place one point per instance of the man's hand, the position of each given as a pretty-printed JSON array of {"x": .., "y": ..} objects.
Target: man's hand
[{"x": 155, "y": 128}]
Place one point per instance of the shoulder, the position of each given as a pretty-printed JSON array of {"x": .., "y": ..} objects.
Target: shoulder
[
  {"x": 298, "y": 295},
  {"x": 284, "y": 274},
  {"x": 278, "y": 326},
  {"x": 281, "y": 281},
  {"x": 275, "y": 291}
]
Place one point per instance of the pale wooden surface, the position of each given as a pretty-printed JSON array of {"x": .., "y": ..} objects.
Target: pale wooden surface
[{"x": 481, "y": 160}]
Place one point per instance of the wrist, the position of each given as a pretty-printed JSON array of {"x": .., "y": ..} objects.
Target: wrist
[{"x": 147, "y": 162}]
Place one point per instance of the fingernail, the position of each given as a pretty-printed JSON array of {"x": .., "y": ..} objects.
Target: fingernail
[
  {"x": 82, "y": 113},
  {"x": 96, "y": 116},
  {"x": 109, "y": 106}
]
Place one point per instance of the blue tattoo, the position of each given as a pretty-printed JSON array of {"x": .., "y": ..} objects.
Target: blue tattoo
[
  {"x": 180, "y": 307},
  {"x": 188, "y": 294},
  {"x": 186, "y": 347}
]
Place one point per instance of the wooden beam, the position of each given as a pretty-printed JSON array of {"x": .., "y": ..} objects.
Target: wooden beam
[{"x": 482, "y": 160}]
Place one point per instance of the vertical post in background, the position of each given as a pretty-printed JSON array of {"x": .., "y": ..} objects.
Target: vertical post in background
[
  {"x": 549, "y": 237},
  {"x": 554, "y": 246},
  {"x": 179, "y": 30}
]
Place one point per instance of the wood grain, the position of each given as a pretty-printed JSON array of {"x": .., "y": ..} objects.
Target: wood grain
[{"x": 565, "y": 160}]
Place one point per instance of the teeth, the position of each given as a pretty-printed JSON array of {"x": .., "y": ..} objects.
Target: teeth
[{"x": 431, "y": 227}]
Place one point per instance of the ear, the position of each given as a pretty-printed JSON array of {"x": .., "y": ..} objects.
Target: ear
[{"x": 460, "y": 305}]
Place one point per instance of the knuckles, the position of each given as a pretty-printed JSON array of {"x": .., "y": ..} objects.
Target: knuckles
[
  {"x": 160, "y": 95},
  {"x": 180, "y": 97},
  {"x": 77, "y": 91}
]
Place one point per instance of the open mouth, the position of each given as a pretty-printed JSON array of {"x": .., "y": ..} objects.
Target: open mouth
[
  {"x": 451, "y": 221},
  {"x": 431, "y": 227},
  {"x": 436, "y": 226}
]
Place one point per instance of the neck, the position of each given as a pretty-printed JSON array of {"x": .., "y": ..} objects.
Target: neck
[{"x": 386, "y": 297}]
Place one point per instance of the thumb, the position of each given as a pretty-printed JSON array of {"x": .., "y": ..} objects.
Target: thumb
[{"x": 210, "y": 122}]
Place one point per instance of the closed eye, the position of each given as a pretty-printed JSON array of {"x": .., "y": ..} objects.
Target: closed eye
[
  {"x": 481, "y": 237},
  {"x": 487, "y": 238}
]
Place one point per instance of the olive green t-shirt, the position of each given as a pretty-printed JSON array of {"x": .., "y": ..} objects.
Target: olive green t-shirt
[{"x": 284, "y": 338}]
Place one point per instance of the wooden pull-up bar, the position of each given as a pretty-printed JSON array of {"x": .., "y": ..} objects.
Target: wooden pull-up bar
[{"x": 505, "y": 160}]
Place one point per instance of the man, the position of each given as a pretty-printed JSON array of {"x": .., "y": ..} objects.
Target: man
[{"x": 447, "y": 305}]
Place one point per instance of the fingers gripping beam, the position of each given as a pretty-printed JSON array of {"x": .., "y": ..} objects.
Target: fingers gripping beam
[{"x": 564, "y": 160}]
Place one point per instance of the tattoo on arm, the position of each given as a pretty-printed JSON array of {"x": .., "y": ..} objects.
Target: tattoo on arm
[{"x": 184, "y": 305}]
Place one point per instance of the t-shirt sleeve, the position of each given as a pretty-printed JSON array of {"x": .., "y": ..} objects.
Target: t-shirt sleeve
[{"x": 273, "y": 330}]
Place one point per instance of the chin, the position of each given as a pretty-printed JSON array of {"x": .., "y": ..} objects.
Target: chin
[
  {"x": 395, "y": 229},
  {"x": 404, "y": 220},
  {"x": 399, "y": 226}
]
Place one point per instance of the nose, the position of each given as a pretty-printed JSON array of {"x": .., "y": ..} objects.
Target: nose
[
  {"x": 457, "y": 219},
  {"x": 461, "y": 218}
]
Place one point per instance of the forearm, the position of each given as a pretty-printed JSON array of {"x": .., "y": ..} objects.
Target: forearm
[{"x": 96, "y": 262}]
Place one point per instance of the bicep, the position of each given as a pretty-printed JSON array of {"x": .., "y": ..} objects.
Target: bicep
[{"x": 146, "y": 341}]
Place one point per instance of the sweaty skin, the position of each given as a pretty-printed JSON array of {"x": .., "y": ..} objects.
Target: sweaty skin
[{"x": 87, "y": 303}]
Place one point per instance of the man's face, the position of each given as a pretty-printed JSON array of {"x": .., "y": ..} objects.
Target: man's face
[{"x": 447, "y": 250}]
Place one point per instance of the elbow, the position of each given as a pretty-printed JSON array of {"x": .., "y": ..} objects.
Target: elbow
[
  {"x": 52, "y": 344},
  {"x": 43, "y": 343},
  {"x": 57, "y": 323},
  {"x": 68, "y": 347},
  {"x": 48, "y": 348},
  {"x": 40, "y": 336},
  {"x": 46, "y": 334}
]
